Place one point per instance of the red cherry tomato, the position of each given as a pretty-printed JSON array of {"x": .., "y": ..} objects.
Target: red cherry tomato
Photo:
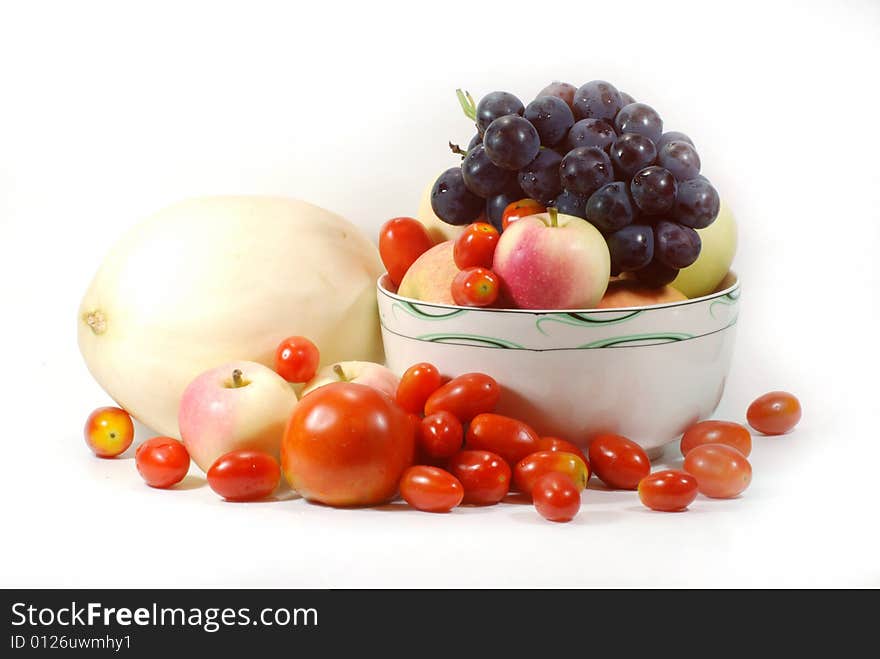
[
  {"x": 431, "y": 489},
  {"x": 475, "y": 246},
  {"x": 417, "y": 383},
  {"x": 534, "y": 466},
  {"x": 475, "y": 287},
  {"x": 556, "y": 497},
  {"x": 619, "y": 462},
  {"x": 511, "y": 439},
  {"x": 484, "y": 476},
  {"x": 775, "y": 413},
  {"x": 558, "y": 444},
  {"x": 721, "y": 471},
  {"x": 296, "y": 359},
  {"x": 401, "y": 241},
  {"x": 717, "y": 432},
  {"x": 440, "y": 435},
  {"x": 347, "y": 444},
  {"x": 244, "y": 475},
  {"x": 108, "y": 431},
  {"x": 520, "y": 209},
  {"x": 465, "y": 396},
  {"x": 162, "y": 461},
  {"x": 668, "y": 491}
]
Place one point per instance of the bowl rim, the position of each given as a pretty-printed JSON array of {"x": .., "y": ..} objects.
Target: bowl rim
[{"x": 727, "y": 290}]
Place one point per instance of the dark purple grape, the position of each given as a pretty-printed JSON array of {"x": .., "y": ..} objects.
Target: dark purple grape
[
  {"x": 511, "y": 142},
  {"x": 476, "y": 139},
  {"x": 598, "y": 100},
  {"x": 494, "y": 105},
  {"x": 697, "y": 203},
  {"x": 540, "y": 178},
  {"x": 570, "y": 203},
  {"x": 639, "y": 118},
  {"x": 496, "y": 204},
  {"x": 590, "y": 132},
  {"x": 630, "y": 153},
  {"x": 681, "y": 159},
  {"x": 656, "y": 274},
  {"x": 482, "y": 177},
  {"x": 452, "y": 201},
  {"x": 631, "y": 248},
  {"x": 561, "y": 90},
  {"x": 609, "y": 207},
  {"x": 653, "y": 189},
  {"x": 672, "y": 136},
  {"x": 551, "y": 117},
  {"x": 626, "y": 99},
  {"x": 675, "y": 245},
  {"x": 585, "y": 169}
]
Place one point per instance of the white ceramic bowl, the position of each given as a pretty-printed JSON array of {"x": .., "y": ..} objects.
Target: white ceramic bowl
[{"x": 643, "y": 372}]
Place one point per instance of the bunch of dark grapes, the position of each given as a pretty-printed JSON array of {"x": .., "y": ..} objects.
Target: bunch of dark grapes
[{"x": 592, "y": 152}]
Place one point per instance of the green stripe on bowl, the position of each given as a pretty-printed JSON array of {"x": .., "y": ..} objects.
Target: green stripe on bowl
[
  {"x": 668, "y": 337},
  {"x": 416, "y": 312},
  {"x": 476, "y": 338},
  {"x": 582, "y": 320}
]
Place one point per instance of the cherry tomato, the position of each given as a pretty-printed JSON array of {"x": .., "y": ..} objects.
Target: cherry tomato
[
  {"x": 721, "y": 471},
  {"x": 475, "y": 246},
  {"x": 619, "y": 462},
  {"x": 668, "y": 491},
  {"x": 162, "y": 461},
  {"x": 431, "y": 489},
  {"x": 417, "y": 383},
  {"x": 558, "y": 444},
  {"x": 296, "y": 359},
  {"x": 520, "y": 209},
  {"x": 244, "y": 475},
  {"x": 511, "y": 439},
  {"x": 440, "y": 435},
  {"x": 401, "y": 241},
  {"x": 485, "y": 476},
  {"x": 347, "y": 444},
  {"x": 717, "y": 432},
  {"x": 108, "y": 431},
  {"x": 465, "y": 396},
  {"x": 775, "y": 413},
  {"x": 534, "y": 466},
  {"x": 556, "y": 497},
  {"x": 475, "y": 287}
]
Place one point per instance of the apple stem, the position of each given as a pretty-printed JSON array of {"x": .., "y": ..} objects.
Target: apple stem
[
  {"x": 340, "y": 373},
  {"x": 467, "y": 104},
  {"x": 237, "y": 380},
  {"x": 553, "y": 216}
]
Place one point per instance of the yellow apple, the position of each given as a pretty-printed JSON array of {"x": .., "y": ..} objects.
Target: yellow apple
[{"x": 719, "y": 246}]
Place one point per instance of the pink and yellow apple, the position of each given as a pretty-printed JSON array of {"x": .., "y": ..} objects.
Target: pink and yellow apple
[
  {"x": 622, "y": 293},
  {"x": 367, "y": 373},
  {"x": 552, "y": 261},
  {"x": 240, "y": 405},
  {"x": 430, "y": 277}
]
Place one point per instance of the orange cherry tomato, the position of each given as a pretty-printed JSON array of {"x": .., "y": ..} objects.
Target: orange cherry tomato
[
  {"x": 440, "y": 435},
  {"x": 108, "y": 431},
  {"x": 717, "y": 432},
  {"x": 532, "y": 467},
  {"x": 465, "y": 396},
  {"x": 244, "y": 475},
  {"x": 485, "y": 476},
  {"x": 296, "y": 359},
  {"x": 475, "y": 246},
  {"x": 511, "y": 439},
  {"x": 668, "y": 491},
  {"x": 558, "y": 444},
  {"x": 162, "y": 461},
  {"x": 721, "y": 471},
  {"x": 417, "y": 383},
  {"x": 520, "y": 209},
  {"x": 401, "y": 241},
  {"x": 618, "y": 462},
  {"x": 774, "y": 413},
  {"x": 431, "y": 489},
  {"x": 475, "y": 287},
  {"x": 556, "y": 497}
]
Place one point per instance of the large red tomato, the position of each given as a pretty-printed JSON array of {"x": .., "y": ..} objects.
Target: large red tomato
[{"x": 347, "y": 444}]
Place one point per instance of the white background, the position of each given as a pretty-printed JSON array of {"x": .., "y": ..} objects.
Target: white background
[{"x": 110, "y": 112}]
